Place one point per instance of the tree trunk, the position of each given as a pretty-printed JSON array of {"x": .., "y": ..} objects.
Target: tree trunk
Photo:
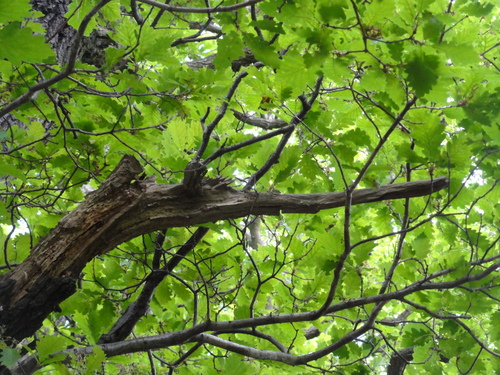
[
  {"x": 399, "y": 361},
  {"x": 125, "y": 207}
]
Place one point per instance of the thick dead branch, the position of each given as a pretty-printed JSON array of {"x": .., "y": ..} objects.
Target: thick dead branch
[{"x": 124, "y": 208}]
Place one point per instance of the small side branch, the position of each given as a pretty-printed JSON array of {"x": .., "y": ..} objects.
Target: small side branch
[
  {"x": 297, "y": 119},
  {"x": 126, "y": 323},
  {"x": 222, "y": 112}
]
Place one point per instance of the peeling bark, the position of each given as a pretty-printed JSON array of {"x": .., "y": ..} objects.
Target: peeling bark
[{"x": 125, "y": 207}]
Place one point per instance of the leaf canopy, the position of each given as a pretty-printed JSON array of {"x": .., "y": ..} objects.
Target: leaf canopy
[{"x": 336, "y": 96}]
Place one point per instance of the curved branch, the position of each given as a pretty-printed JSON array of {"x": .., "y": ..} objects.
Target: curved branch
[
  {"x": 255, "y": 333},
  {"x": 216, "y": 9},
  {"x": 225, "y": 149},
  {"x": 29, "y": 364}
]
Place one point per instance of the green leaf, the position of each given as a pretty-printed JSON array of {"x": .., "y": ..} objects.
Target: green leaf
[
  {"x": 34, "y": 48},
  {"x": 77, "y": 10},
  {"x": 61, "y": 368},
  {"x": 429, "y": 137},
  {"x": 113, "y": 56},
  {"x": 262, "y": 51},
  {"x": 126, "y": 33},
  {"x": 84, "y": 324},
  {"x": 352, "y": 284},
  {"x": 95, "y": 361},
  {"x": 329, "y": 11},
  {"x": 373, "y": 80},
  {"x": 9, "y": 171},
  {"x": 422, "y": 72},
  {"x": 422, "y": 246},
  {"x": 432, "y": 28},
  {"x": 9, "y": 357},
  {"x": 48, "y": 345},
  {"x": 476, "y": 8},
  {"x": 269, "y": 25},
  {"x": 459, "y": 151},
  {"x": 14, "y": 10},
  {"x": 230, "y": 47},
  {"x": 423, "y": 353},
  {"x": 235, "y": 363},
  {"x": 495, "y": 328},
  {"x": 241, "y": 312},
  {"x": 460, "y": 53},
  {"x": 413, "y": 334},
  {"x": 287, "y": 162},
  {"x": 337, "y": 69}
]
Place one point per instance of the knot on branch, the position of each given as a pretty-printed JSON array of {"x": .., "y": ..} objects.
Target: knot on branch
[
  {"x": 193, "y": 176},
  {"x": 127, "y": 170}
]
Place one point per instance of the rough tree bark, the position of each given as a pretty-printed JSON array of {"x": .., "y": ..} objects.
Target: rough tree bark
[
  {"x": 399, "y": 360},
  {"x": 60, "y": 35},
  {"x": 125, "y": 207}
]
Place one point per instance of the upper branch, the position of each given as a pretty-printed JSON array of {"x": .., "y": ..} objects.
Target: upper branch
[
  {"x": 222, "y": 112},
  {"x": 166, "y": 209},
  {"x": 216, "y": 9},
  {"x": 383, "y": 140},
  {"x": 298, "y": 118}
]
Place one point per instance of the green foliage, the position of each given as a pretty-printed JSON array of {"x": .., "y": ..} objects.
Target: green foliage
[
  {"x": 34, "y": 49},
  {"x": 418, "y": 273},
  {"x": 48, "y": 345},
  {"x": 9, "y": 357},
  {"x": 421, "y": 70},
  {"x": 14, "y": 11}
]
